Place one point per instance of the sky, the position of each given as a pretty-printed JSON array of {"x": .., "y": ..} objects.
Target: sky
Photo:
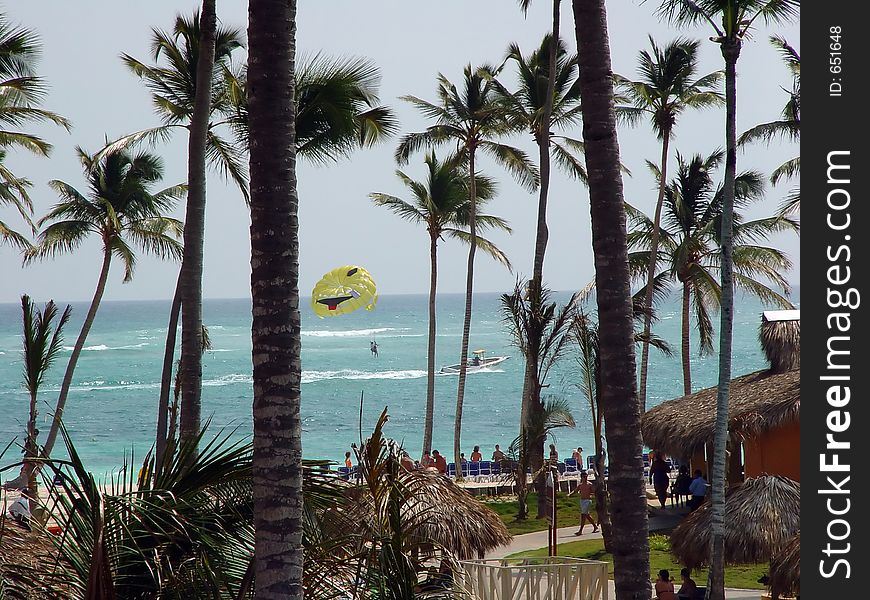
[{"x": 411, "y": 41}]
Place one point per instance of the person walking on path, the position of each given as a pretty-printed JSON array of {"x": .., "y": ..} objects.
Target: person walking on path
[
  {"x": 660, "y": 473},
  {"x": 586, "y": 490}
]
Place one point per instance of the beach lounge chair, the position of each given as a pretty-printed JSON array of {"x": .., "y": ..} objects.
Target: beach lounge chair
[
  {"x": 571, "y": 468},
  {"x": 496, "y": 469},
  {"x": 472, "y": 470},
  {"x": 451, "y": 469},
  {"x": 485, "y": 470},
  {"x": 344, "y": 473}
]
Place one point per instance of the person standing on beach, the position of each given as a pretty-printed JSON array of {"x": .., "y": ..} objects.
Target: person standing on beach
[
  {"x": 498, "y": 456},
  {"x": 476, "y": 456},
  {"x": 374, "y": 348},
  {"x": 440, "y": 462},
  {"x": 347, "y": 461},
  {"x": 577, "y": 455},
  {"x": 586, "y": 490}
]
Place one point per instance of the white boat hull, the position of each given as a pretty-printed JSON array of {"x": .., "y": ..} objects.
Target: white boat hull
[{"x": 484, "y": 364}]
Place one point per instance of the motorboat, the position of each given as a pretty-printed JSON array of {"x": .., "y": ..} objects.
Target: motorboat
[{"x": 478, "y": 362}]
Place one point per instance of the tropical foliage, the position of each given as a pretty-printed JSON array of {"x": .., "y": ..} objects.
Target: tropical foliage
[
  {"x": 337, "y": 108},
  {"x": 21, "y": 94},
  {"x": 788, "y": 127},
  {"x": 689, "y": 255}
]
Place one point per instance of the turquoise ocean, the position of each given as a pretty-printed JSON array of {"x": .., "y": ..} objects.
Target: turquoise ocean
[{"x": 111, "y": 410}]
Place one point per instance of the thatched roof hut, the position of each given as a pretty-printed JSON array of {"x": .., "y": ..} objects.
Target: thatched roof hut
[
  {"x": 757, "y": 402},
  {"x": 762, "y": 516},
  {"x": 785, "y": 570}
]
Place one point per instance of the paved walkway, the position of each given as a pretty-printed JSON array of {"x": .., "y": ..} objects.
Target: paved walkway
[{"x": 665, "y": 520}]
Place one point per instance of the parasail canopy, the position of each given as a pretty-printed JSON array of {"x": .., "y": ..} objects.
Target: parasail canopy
[{"x": 342, "y": 291}]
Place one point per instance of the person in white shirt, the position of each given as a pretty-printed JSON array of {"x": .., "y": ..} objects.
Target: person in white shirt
[{"x": 698, "y": 490}]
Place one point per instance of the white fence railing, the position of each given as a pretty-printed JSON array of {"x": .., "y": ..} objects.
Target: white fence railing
[{"x": 551, "y": 578}]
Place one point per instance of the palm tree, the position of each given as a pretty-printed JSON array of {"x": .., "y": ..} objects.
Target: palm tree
[
  {"x": 689, "y": 245},
  {"x": 788, "y": 127},
  {"x": 337, "y": 108},
  {"x": 471, "y": 119},
  {"x": 43, "y": 340},
  {"x": 21, "y": 93},
  {"x": 667, "y": 88},
  {"x": 442, "y": 204},
  {"x": 196, "y": 50},
  {"x": 541, "y": 104},
  {"x": 277, "y": 460},
  {"x": 622, "y": 411},
  {"x": 540, "y": 331},
  {"x": 124, "y": 212},
  {"x": 735, "y": 18}
]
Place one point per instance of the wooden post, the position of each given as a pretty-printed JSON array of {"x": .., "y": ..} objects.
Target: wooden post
[{"x": 550, "y": 510}]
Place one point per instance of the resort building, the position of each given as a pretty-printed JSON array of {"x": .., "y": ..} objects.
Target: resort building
[{"x": 763, "y": 417}]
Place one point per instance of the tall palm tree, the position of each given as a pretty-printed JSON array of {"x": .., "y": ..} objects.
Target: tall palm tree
[
  {"x": 622, "y": 411},
  {"x": 442, "y": 204},
  {"x": 471, "y": 118},
  {"x": 123, "y": 210},
  {"x": 196, "y": 50},
  {"x": 277, "y": 460},
  {"x": 43, "y": 341},
  {"x": 735, "y": 18},
  {"x": 788, "y": 127},
  {"x": 543, "y": 103},
  {"x": 21, "y": 93},
  {"x": 337, "y": 109},
  {"x": 667, "y": 88},
  {"x": 690, "y": 255}
]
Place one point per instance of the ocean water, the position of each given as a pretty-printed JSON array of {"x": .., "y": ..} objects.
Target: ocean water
[{"x": 111, "y": 410}]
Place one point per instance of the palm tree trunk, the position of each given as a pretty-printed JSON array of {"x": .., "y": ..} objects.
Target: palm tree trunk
[
  {"x": 542, "y": 236},
  {"x": 622, "y": 411},
  {"x": 469, "y": 289},
  {"x": 275, "y": 333},
  {"x": 166, "y": 377},
  {"x": 430, "y": 365},
  {"x": 77, "y": 350},
  {"x": 190, "y": 280},
  {"x": 31, "y": 452},
  {"x": 716, "y": 581},
  {"x": 651, "y": 269},
  {"x": 687, "y": 362}
]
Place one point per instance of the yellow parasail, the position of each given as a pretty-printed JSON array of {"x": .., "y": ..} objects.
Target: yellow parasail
[{"x": 342, "y": 291}]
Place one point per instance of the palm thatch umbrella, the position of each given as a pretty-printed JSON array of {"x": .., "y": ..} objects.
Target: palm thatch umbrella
[
  {"x": 785, "y": 570},
  {"x": 434, "y": 511},
  {"x": 761, "y": 515},
  {"x": 780, "y": 336},
  {"x": 458, "y": 522}
]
